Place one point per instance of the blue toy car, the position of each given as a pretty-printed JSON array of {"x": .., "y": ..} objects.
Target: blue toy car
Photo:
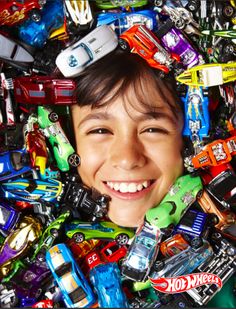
[
  {"x": 13, "y": 164},
  {"x": 106, "y": 280},
  {"x": 142, "y": 253},
  {"x": 31, "y": 190},
  {"x": 193, "y": 223},
  {"x": 37, "y": 33},
  {"x": 197, "y": 119},
  {"x": 8, "y": 218},
  {"x": 75, "y": 289},
  {"x": 121, "y": 21}
]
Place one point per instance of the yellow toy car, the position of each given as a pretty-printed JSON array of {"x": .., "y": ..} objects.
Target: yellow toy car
[{"x": 208, "y": 75}]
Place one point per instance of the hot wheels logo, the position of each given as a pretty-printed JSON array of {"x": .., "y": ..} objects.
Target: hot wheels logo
[{"x": 183, "y": 283}]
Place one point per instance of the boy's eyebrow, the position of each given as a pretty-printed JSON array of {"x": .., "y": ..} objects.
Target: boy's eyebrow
[{"x": 142, "y": 117}]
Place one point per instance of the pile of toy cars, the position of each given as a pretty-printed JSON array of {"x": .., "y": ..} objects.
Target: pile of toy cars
[{"x": 57, "y": 247}]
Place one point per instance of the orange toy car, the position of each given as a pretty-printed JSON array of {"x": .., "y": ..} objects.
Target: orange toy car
[
  {"x": 173, "y": 245},
  {"x": 140, "y": 40}
]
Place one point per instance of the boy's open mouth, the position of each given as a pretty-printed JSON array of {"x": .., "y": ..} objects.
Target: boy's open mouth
[{"x": 129, "y": 187}]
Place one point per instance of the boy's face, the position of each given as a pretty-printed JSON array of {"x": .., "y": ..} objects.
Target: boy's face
[{"x": 131, "y": 156}]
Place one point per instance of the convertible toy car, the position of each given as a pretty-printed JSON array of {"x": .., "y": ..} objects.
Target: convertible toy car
[
  {"x": 208, "y": 75},
  {"x": 95, "y": 45},
  {"x": 44, "y": 90},
  {"x": 75, "y": 289},
  {"x": 142, "y": 41},
  {"x": 80, "y": 231},
  {"x": 16, "y": 11}
]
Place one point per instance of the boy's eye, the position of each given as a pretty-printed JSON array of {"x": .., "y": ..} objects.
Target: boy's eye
[
  {"x": 155, "y": 130},
  {"x": 99, "y": 131}
]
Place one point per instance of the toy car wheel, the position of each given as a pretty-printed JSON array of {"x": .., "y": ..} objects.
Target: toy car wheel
[
  {"x": 228, "y": 11},
  {"x": 213, "y": 219},
  {"x": 35, "y": 15},
  {"x": 159, "y": 3},
  {"x": 74, "y": 160},
  {"x": 78, "y": 237},
  {"x": 196, "y": 242},
  {"x": 54, "y": 232},
  {"x": 124, "y": 45},
  {"x": 53, "y": 117},
  {"x": 158, "y": 266},
  {"x": 41, "y": 256},
  {"x": 122, "y": 239},
  {"x": 193, "y": 5},
  {"x": 199, "y": 194},
  {"x": 180, "y": 23}
]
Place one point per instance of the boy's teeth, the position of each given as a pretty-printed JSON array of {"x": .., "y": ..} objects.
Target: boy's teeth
[{"x": 128, "y": 187}]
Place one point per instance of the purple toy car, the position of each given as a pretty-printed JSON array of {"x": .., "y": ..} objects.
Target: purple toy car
[
  {"x": 8, "y": 218},
  {"x": 174, "y": 41}
]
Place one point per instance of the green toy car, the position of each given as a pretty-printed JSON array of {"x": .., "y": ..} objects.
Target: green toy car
[
  {"x": 64, "y": 153},
  {"x": 111, "y": 4},
  {"x": 181, "y": 195},
  {"x": 80, "y": 231}
]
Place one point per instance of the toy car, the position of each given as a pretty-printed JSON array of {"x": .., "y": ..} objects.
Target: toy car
[
  {"x": 208, "y": 75},
  {"x": 8, "y": 218},
  {"x": 50, "y": 234},
  {"x": 13, "y": 164},
  {"x": 27, "y": 232},
  {"x": 196, "y": 114},
  {"x": 192, "y": 224},
  {"x": 121, "y": 21},
  {"x": 142, "y": 253},
  {"x": 112, "y": 252},
  {"x": 36, "y": 33},
  {"x": 16, "y": 11},
  {"x": 15, "y": 54},
  {"x": 80, "y": 231},
  {"x": 64, "y": 153},
  {"x": 174, "y": 41},
  {"x": 110, "y": 4},
  {"x": 181, "y": 195},
  {"x": 140, "y": 40},
  {"x": 182, "y": 263},
  {"x": 224, "y": 219},
  {"x": 35, "y": 143},
  {"x": 31, "y": 190},
  {"x": 173, "y": 245},
  {"x": 44, "y": 90},
  {"x": 75, "y": 289},
  {"x": 95, "y": 45},
  {"x": 106, "y": 280}
]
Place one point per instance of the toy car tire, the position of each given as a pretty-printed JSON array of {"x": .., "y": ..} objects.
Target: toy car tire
[
  {"x": 159, "y": 3},
  {"x": 122, "y": 239},
  {"x": 158, "y": 266},
  {"x": 74, "y": 160},
  {"x": 78, "y": 237},
  {"x": 35, "y": 15},
  {"x": 53, "y": 117},
  {"x": 54, "y": 232},
  {"x": 180, "y": 23},
  {"x": 124, "y": 45},
  {"x": 228, "y": 11},
  {"x": 196, "y": 242}
]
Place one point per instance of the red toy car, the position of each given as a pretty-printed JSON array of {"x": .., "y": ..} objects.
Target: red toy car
[
  {"x": 36, "y": 146},
  {"x": 112, "y": 252},
  {"x": 41, "y": 90},
  {"x": 142, "y": 41},
  {"x": 14, "y": 12}
]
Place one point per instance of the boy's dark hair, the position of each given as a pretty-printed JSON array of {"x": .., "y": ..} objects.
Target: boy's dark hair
[{"x": 110, "y": 77}]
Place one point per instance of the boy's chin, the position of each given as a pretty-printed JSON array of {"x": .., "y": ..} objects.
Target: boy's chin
[{"x": 126, "y": 219}]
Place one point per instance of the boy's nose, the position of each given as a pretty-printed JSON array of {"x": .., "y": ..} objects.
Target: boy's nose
[{"x": 127, "y": 155}]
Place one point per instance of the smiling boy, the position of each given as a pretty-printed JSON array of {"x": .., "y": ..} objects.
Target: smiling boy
[{"x": 127, "y": 126}]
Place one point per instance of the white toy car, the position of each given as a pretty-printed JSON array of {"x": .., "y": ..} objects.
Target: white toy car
[{"x": 74, "y": 59}]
